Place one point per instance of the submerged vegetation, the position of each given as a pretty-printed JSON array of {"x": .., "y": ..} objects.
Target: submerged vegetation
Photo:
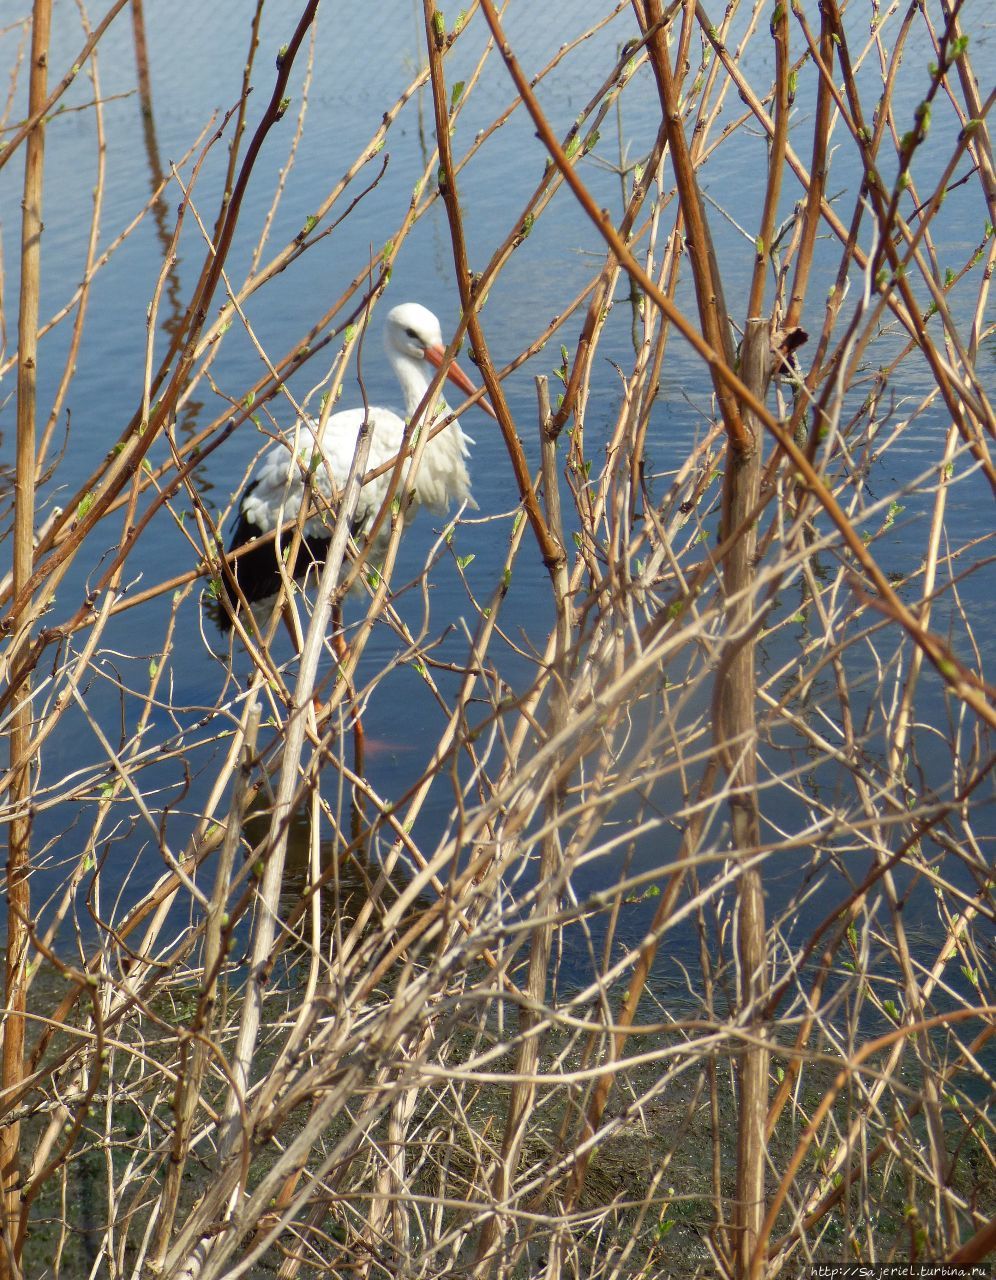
[{"x": 669, "y": 951}]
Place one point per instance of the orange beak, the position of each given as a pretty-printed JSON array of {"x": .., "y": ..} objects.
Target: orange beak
[{"x": 457, "y": 376}]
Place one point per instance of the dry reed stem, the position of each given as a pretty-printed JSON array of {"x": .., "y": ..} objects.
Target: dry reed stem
[{"x": 19, "y": 831}]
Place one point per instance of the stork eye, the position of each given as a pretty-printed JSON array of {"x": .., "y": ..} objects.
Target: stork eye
[{"x": 410, "y": 333}]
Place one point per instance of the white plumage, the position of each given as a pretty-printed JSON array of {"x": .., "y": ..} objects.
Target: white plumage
[{"x": 414, "y": 344}]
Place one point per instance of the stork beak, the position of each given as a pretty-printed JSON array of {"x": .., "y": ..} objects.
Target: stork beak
[{"x": 456, "y": 375}]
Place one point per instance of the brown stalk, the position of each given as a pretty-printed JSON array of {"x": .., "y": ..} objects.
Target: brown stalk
[
  {"x": 736, "y": 739},
  {"x": 705, "y": 271},
  {"x": 980, "y": 144},
  {"x": 550, "y": 551},
  {"x": 19, "y": 840},
  {"x": 231, "y": 173},
  {"x": 736, "y": 723},
  {"x": 776, "y": 164}
]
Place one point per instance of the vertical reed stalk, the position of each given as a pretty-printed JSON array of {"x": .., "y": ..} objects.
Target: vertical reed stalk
[
  {"x": 736, "y": 744},
  {"x": 708, "y": 285},
  {"x": 19, "y": 846}
]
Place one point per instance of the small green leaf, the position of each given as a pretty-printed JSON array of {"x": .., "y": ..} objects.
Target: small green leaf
[
  {"x": 153, "y": 667},
  {"x": 456, "y": 92},
  {"x": 85, "y": 503},
  {"x": 463, "y": 561},
  {"x": 895, "y": 509},
  {"x": 971, "y": 974}
]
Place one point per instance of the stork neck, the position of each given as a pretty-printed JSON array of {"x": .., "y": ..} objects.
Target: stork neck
[{"x": 414, "y": 377}]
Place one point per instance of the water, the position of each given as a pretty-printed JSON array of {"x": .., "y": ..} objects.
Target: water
[{"x": 195, "y": 55}]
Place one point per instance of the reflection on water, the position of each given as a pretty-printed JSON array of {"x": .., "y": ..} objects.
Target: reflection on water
[{"x": 347, "y": 881}]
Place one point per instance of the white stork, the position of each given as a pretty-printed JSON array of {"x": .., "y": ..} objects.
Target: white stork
[{"x": 414, "y": 344}]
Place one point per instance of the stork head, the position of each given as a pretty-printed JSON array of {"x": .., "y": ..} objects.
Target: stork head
[
  {"x": 413, "y": 331},
  {"x": 412, "y": 334}
]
